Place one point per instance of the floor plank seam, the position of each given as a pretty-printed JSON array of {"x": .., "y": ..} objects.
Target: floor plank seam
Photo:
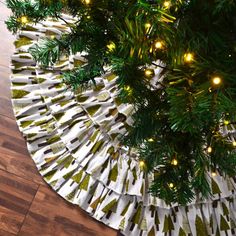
[{"x": 28, "y": 209}]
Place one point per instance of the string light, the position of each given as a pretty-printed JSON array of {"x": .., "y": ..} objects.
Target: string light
[
  {"x": 213, "y": 174},
  {"x": 216, "y": 80},
  {"x": 171, "y": 185},
  {"x": 24, "y": 20},
  {"x": 234, "y": 143},
  {"x": 166, "y": 4},
  {"x": 226, "y": 122},
  {"x": 147, "y": 27},
  {"x": 149, "y": 73},
  {"x": 174, "y": 162},
  {"x": 128, "y": 89},
  {"x": 52, "y": 36},
  {"x": 111, "y": 46},
  {"x": 141, "y": 164},
  {"x": 188, "y": 57},
  {"x": 87, "y": 2},
  {"x": 209, "y": 149},
  {"x": 158, "y": 45},
  {"x": 150, "y": 140}
]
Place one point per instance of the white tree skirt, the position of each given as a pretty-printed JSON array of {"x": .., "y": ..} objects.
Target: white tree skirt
[{"x": 73, "y": 138}]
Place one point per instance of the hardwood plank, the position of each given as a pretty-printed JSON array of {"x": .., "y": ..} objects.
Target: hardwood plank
[
  {"x": 5, "y": 94},
  {"x": 11, "y": 143},
  {"x": 6, "y": 49},
  {"x": 6, "y": 45},
  {"x": 51, "y": 215},
  {"x": 9, "y": 127},
  {"x": 16, "y": 195},
  {"x": 20, "y": 188},
  {"x": 5, "y": 233},
  {"x": 6, "y": 107},
  {"x": 10, "y": 137},
  {"x": 10, "y": 221},
  {"x": 14, "y": 156},
  {"x": 5, "y": 83},
  {"x": 20, "y": 165}
]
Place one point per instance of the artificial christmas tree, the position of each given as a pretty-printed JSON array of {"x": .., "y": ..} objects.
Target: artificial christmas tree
[
  {"x": 133, "y": 97},
  {"x": 179, "y": 111}
]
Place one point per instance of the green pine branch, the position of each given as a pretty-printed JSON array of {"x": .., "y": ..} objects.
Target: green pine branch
[{"x": 180, "y": 118}]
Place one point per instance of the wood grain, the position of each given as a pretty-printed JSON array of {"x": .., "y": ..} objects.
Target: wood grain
[
  {"x": 10, "y": 137},
  {"x": 51, "y": 215},
  {"x": 5, "y": 108},
  {"x": 5, "y": 233},
  {"x": 5, "y": 83},
  {"x": 19, "y": 165},
  {"x": 16, "y": 195},
  {"x": 28, "y": 207}
]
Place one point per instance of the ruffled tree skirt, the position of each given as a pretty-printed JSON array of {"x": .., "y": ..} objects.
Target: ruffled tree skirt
[{"x": 73, "y": 138}]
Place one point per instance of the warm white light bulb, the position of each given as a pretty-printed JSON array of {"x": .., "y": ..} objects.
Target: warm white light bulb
[
  {"x": 141, "y": 164},
  {"x": 127, "y": 88},
  {"x": 188, "y": 57},
  {"x": 148, "y": 25},
  {"x": 216, "y": 80},
  {"x": 226, "y": 122},
  {"x": 174, "y": 162},
  {"x": 148, "y": 72},
  {"x": 24, "y": 20},
  {"x": 111, "y": 46},
  {"x": 166, "y": 4},
  {"x": 213, "y": 174},
  {"x": 150, "y": 140},
  {"x": 158, "y": 45},
  {"x": 209, "y": 149}
]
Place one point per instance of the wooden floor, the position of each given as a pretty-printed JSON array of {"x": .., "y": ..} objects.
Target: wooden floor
[{"x": 28, "y": 207}]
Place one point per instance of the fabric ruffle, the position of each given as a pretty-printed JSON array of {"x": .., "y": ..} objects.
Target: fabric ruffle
[{"x": 73, "y": 137}]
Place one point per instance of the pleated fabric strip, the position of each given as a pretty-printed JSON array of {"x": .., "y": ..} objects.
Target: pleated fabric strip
[{"x": 74, "y": 140}]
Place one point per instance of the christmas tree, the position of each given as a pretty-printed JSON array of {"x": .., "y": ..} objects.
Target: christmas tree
[{"x": 176, "y": 64}]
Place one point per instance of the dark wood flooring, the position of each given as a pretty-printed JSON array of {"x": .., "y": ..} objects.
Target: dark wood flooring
[{"x": 28, "y": 207}]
